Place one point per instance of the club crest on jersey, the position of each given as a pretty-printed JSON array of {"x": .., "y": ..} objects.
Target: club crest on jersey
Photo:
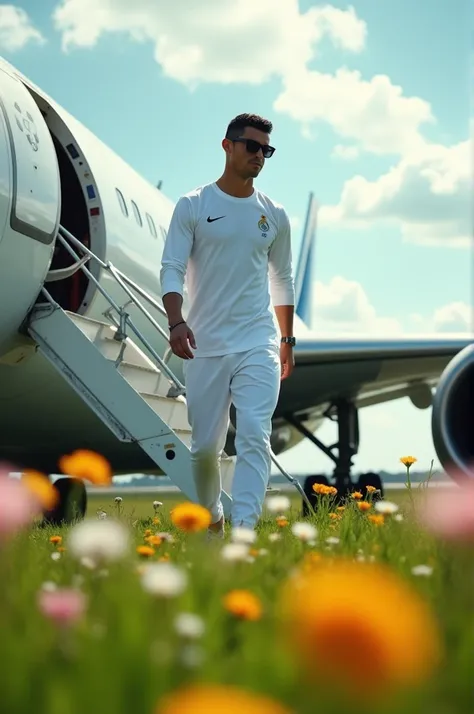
[{"x": 263, "y": 225}]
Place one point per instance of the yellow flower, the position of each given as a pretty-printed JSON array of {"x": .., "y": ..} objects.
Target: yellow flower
[
  {"x": 56, "y": 539},
  {"x": 87, "y": 465},
  {"x": 243, "y": 604},
  {"x": 324, "y": 490},
  {"x": 408, "y": 460},
  {"x": 216, "y": 699},
  {"x": 145, "y": 550},
  {"x": 41, "y": 488},
  {"x": 345, "y": 608},
  {"x": 156, "y": 521},
  {"x": 340, "y": 508},
  {"x": 334, "y": 516},
  {"x": 147, "y": 533},
  {"x": 281, "y": 521},
  {"x": 377, "y": 520},
  {"x": 190, "y": 517},
  {"x": 371, "y": 489},
  {"x": 356, "y": 495},
  {"x": 364, "y": 506},
  {"x": 164, "y": 558}
]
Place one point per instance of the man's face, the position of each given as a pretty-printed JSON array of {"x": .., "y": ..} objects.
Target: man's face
[{"x": 244, "y": 160}]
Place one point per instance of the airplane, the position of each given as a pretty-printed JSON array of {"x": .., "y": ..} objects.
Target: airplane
[{"x": 62, "y": 188}]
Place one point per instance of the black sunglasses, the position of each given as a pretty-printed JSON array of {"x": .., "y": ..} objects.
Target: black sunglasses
[{"x": 253, "y": 147}]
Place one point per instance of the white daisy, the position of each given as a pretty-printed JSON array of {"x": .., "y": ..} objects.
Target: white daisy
[
  {"x": 278, "y": 504},
  {"x": 243, "y": 535},
  {"x": 164, "y": 580},
  {"x": 386, "y": 507},
  {"x": 99, "y": 541},
  {"x": 304, "y": 531}
]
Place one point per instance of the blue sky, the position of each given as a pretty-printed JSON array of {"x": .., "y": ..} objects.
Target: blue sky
[{"x": 377, "y": 91}]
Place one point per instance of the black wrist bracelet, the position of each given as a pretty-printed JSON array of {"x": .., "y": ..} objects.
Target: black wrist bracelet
[{"x": 171, "y": 327}]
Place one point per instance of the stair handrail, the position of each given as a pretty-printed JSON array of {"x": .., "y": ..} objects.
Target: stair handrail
[{"x": 64, "y": 236}]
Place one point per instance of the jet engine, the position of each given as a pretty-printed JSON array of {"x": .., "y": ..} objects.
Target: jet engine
[{"x": 453, "y": 416}]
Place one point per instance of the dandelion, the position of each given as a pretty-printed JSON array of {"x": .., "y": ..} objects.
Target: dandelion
[
  {"x": 386, "y": 507},
  {"x": 243, "y": 605},
  {"x": 371, "y": 489},
  {"x": 408, "y": 461},
  {"x": 243, "y": 535},
  {"x": 63, "y": 606},
  {"x": 304, "y": 531},
  {"x": 41, "y": 488},
  {"x": 377, "y": 520},
  {"x": 189, "y": 626},
  {"x": 87, "y": 465},
  {"x": 278, "y": 504},
  {"x": 154, "y": 540},
  {"x": 217, "y": 698},
  {"x": 364, "y": 506},
  {"x": 323, "y": 490},
  {"x": 146, "y": 551},
  {"x": 356, "y": 495},
  {"x": 190, "y": 517},
  {"x": 56, "y": 539},
  {"x": 100, "y": 541},
  {"x": 341, "y": 608},
  {"x": 164, "y": 580}
]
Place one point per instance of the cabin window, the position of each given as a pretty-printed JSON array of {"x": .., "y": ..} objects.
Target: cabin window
[
  {"x": 138, "y": 217},
  {"x": 121, "y": 200},
  {"x": 151, "y": 226}
]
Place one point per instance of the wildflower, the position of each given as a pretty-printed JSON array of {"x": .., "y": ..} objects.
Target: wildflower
[
  {"x": 118, "y": 499},
  {"x": 56, "y": 539},
  {"x": 386, "y": 507},
  {"x": 41, "y": 488},
  {"x": 243, "y": 604},
  {"x": 217, "y": 698},
  {"x": 234, "y": 551},
  {"x": 376, "y": 520},
  {"x": 164, "y": 580},
  {"x": 153, "y": 540},
  {"x": 101, "y": 541},
  {"x": 49, "y": 586},
  {"x": 332, "y": 540},
  {"x": 324, "y": 490},
  {"x": 243, "y": 535},
  {"x": 63, "y": 606},
  {"x": 340, "y": 509},
  {"x": 17, "y": 508},
  {"x": 304, "y": 531},
  {"x": 422, "y": 570},
  {"x": 55, "y": 555},
  {"x": 281, "y": 521},
  {"x": 334, "y": 517},
  {"x": 449, "y": 513},
  {"x": 356, "y": 495},
  {"x": 157, "y": 504},
  {"x": 342, "y": 607},
  {"x": 273, "y": 537},
  {"x": 364, "y": 506},
  {"x": 190, "y": 517},
  {"x": 278, "y": 504},
  {"x": 146, "y": 551},
  {"x": 189, "y": 626},
  {"x": 371, "y": 489},
  {"x": 87, "y": 465},
  {"x": 156, "y": 521},
  {"x": 408, "y": 461}
]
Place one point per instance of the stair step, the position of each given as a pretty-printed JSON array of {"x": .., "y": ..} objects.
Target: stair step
[
  {"x": 173, "y": 410},
  {"x": 143, "y": 380}
]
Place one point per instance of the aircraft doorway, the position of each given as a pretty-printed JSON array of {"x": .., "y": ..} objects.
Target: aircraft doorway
[{"x": 70, "y": 292}]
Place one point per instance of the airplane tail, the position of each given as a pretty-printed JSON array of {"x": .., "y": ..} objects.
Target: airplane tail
[{"x": 304, "y": 269}]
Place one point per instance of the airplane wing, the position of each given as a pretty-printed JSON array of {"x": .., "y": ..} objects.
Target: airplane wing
[{"x": 365, "y": 371}]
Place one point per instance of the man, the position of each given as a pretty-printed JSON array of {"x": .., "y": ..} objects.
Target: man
[{"x": 235, "y": 244}]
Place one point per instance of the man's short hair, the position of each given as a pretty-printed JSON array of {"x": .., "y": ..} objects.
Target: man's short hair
[{"x": 237, "y": 126}]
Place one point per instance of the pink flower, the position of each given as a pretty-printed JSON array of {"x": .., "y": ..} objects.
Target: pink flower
[
  {"x": 449, "y": 513},
  {"x": 17, "y": 508},
  {"x": 63, "y": 606}
]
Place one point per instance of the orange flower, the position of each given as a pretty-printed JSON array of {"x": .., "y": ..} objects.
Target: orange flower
[
  {"x": 370, "y": 489},
  {"x": 408, "y": 461},
  {"x": 190, "y": 517},
  {"x": 324, "y": 490},
  {"x": 356, "y": 495},
  {"x": 145, "y": 550},
  {"x": 216, "y": 699},
  {"x": 56, "y": 539},
  {"x": 41, "y": 488},
  {"x": 341, "y": 608},
  {"x": 153, "y": 540},
  {"x": 377, "y": 520},
  {"x": 87, "y": 465},
  {"x": 243, "y": 604},
  {"x": 281, "y": 521},
  {"x": 364, "y": 506}
]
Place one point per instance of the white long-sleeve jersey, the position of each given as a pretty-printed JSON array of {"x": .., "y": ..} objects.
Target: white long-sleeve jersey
[{"x": 235, "y": 254}]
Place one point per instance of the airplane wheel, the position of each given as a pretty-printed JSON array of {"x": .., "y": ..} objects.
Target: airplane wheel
[
  {"x": 313, "y": 497},
  {"x": 370, "y": 479},
  {"x": 72, "y": 503}
]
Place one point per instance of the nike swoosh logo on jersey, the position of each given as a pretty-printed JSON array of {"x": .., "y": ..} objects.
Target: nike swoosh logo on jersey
[{"x": 210, "y": 220}]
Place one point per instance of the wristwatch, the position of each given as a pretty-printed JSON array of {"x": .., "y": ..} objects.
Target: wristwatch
[{"x": 289, "y": 340}]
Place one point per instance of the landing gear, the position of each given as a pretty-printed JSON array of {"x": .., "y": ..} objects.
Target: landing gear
[
  {"x": 345, "y": 413},
  {"x": 72, "y": 502}
]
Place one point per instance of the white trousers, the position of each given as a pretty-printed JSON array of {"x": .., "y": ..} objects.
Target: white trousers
[{"x": 251, "y": 381}]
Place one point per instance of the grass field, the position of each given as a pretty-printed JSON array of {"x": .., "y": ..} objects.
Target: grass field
[{"x": 353, "y": 611}]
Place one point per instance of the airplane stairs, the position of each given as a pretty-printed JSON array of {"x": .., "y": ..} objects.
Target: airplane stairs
[{"x": 131, "y": 395}]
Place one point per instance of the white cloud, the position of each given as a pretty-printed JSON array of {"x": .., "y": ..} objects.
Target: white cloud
[
  {"x": 343, "y": 306},
  {"x": 16, "y": 29},
  {"x": 427, "y": 194},
  {"x": 455, "y": 317},
  {"x": 215, "y": 40},
  {"x": 347, "y": 152}
]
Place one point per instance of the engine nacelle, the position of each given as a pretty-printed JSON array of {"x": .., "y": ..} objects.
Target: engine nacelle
[{"x": 453, "y": 416}]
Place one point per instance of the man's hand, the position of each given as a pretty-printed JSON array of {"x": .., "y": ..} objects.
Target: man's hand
[
  {"x": 287, "y": 360},
  {"x": 180, "y": 339}
]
